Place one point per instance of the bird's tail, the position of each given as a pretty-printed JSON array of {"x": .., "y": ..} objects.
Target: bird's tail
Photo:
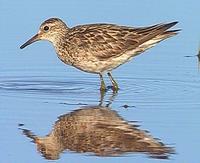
[{"x": 161, "y": 33}]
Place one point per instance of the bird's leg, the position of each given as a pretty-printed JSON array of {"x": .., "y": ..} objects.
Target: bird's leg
[
  {"x": 103, "y": 86},
  {"x": 114, "y": 83},
  {"x": 102, "y": 95},
  {"x": 111, "y": 98}
]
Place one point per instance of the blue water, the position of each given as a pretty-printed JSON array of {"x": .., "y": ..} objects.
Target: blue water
[{"x": 159, "y": 92}]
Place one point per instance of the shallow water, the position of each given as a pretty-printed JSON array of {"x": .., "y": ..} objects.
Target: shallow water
[{"x": 158, "y": 98}]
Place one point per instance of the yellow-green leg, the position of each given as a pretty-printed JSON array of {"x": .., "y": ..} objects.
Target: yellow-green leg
[
  {"x": 114, "y": 83},
  {"x": 103, "y": 86}
]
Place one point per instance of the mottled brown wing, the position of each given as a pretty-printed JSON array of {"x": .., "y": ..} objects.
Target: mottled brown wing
[
  {"x": 108, "y": 40},
  {"x": 105, "y": 40}
]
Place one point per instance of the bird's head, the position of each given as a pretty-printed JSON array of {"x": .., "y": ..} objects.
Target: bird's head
[{"x": 51, "y": 30}]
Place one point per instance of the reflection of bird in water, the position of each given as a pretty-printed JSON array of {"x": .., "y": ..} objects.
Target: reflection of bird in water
[{"x": 97, "y": 130}]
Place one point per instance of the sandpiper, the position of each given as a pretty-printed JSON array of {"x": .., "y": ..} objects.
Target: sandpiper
[{"x": 100, "y": 48}]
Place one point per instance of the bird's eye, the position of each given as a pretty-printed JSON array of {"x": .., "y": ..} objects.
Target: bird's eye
[{"x": 46, "y": 28}]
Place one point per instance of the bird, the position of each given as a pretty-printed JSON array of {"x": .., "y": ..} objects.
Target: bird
[
  {"x": 100, "y": 48},
  {"x": 97, "y": 130}
]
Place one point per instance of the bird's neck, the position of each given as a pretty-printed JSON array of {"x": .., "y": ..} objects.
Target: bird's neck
[
  {"x": 62, "y": 49},
  {"x": 58, "y": 38}
]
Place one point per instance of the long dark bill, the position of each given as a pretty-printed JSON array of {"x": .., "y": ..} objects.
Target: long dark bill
[{"x": 33, "y": 39}]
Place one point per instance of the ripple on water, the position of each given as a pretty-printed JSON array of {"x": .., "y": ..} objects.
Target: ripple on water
[
  {"x": 140, "y": 88},
  {"x": 159, "y": 90},
  {"x": 44, "y": 86}
]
